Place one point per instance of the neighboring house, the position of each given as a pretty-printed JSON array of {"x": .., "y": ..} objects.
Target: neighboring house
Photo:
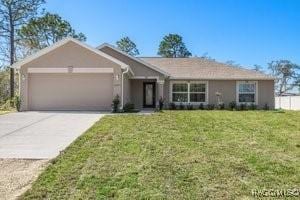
[{"x": 71, "y": 75}]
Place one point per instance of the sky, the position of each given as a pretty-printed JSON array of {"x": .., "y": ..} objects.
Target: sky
[{"x": 246, "y": 31}]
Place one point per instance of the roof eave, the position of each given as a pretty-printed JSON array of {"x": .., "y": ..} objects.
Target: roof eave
[
  {"x": 166, "y": 74},
  {"x": 60, "y": 43},
  {"x": 227, "y": 79}
]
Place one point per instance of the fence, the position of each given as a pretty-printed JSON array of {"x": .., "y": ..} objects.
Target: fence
[{"x": 288, "y": 102}]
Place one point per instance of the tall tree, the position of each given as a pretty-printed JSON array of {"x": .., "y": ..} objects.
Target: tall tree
[
  {"x": 232, "y": 63},
  {"x": 172, "y": 46},
  {"x": 257, "y": 68},
  {"x": 128, "y": 46},
  {"x": 46, "y": 30},
  {"x": 287, "y": 75},
  {"x": 205, "y": 56},
  {"x": 4, "y": 85},
  {"x": 14, "y": 14}
]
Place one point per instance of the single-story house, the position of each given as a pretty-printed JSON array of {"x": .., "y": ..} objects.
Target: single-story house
[{"x": 70, "y": 75}]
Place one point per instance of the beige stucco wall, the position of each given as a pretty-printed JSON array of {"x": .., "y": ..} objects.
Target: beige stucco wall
[
  {"x": 167, "y": 92},
  {"x": 70, "y": 54},
  {"x": 127, "y": 89},
  {"x": 138, "y": 68},
  {"x": 136, "y": 87},
  {"x": 228, "y": 90},
  {"x": 266, "y": 93}
]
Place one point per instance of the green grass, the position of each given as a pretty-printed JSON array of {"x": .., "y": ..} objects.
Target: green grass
[{"x": 177, "y": 155}]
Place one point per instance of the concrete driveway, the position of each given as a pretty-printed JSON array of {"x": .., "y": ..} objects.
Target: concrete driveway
[{"x": 41, "y": 135}]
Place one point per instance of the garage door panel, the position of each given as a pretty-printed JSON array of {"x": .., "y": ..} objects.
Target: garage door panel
[{"x": 70, "y": 91}]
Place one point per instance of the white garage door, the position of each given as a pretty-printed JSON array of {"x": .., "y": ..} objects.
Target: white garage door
[{"x": 70, "y": 91}]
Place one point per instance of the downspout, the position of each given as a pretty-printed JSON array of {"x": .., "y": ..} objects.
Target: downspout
[{"x": 122, "y": 92}]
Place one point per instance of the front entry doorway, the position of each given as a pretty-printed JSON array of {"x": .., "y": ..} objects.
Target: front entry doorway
[{"x": 149, "y": 94}]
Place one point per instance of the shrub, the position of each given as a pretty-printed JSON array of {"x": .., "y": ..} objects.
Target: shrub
[
  {"x": 161, "y": 103},
  {"x": 210, "y": 106},
  {"x": 8, "y": 105},
  {"x": 181, "y": 106},
  {"x": 172, "y": 106},
  {"x": 17, "y": 103},
  {"x": 232, "y": 105},
  {"x": 266, "y": 107},
  {"x": 116, "y": 104},
  {"x": 129, "y": 107},
  {"x": 221, "y": 106},
  {"x": 243, "y": 106},
  {"x": 4, "y": 85},
  {"x": 253, "y": 106},
  {"x": 190, "y": 107},
  {"x": 201, "y": 106}
]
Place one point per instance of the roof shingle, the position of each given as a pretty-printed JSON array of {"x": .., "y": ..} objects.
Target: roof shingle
[{"x": 199, "y": 68}]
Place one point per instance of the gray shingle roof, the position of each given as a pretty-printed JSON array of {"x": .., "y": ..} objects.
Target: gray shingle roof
[{"x": 198, "y": 68}]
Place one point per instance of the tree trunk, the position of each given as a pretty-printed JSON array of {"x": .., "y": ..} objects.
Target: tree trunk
[{"x": 12, "y": 53}]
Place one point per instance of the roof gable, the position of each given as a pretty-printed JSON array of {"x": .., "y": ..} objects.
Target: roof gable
[
  {"x": 58, "y": 44},
  {"x": 155, "y": 68}
]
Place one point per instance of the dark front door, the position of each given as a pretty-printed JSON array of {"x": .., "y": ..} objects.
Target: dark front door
[{"x": 149, "y": 94}]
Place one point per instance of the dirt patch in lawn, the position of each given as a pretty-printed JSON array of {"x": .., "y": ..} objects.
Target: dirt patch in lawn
[{"x": 16, "y": 176}]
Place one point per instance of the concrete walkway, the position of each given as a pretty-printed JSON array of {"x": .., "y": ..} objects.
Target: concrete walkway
[{"x": 41, "y": 135}]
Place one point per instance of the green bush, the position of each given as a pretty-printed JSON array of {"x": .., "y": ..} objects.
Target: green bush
[
  {"x": 172, "y": 106},
  {"x": 232, "y": 105},
  {"x": 253, "y": 106},
  {"x": 116, "y": 104},
  {"x": 12, "y": 104},
  {"x": 8, "y": 105},
  {"x": 129, "y": 107},
  {"x": 266, "y": 107},
  {"x": 17, "y": 103},
  {"x": 181, "y": 106},
  {"x": 221, "y": 106},
  {"x": 190, "y": 107},
  {"x": 242, "y": 107},
  {"x": 201, "y": 106},
  {"x": 161, "y": 103},
  {"x": 210, "y": 106},
  {"x": 4, "y": 86}
]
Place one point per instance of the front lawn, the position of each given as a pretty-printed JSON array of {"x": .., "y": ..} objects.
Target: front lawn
[{"x": 177, "y": 155}]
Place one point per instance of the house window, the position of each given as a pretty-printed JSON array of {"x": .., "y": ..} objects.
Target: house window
[
  {"x": 193, "y": 92},
  {"x": 247, "y": 92},
  {"x": 197, "y": 92},
  {"x": 180, "y": 92}
]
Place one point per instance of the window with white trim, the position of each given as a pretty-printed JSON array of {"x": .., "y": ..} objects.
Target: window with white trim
[
  {"x": 197, "y": 92},
  {"x": 189, "y": 92},
  {"x": 246, "y": 92},
  {"x": 180, "y": 92}
]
